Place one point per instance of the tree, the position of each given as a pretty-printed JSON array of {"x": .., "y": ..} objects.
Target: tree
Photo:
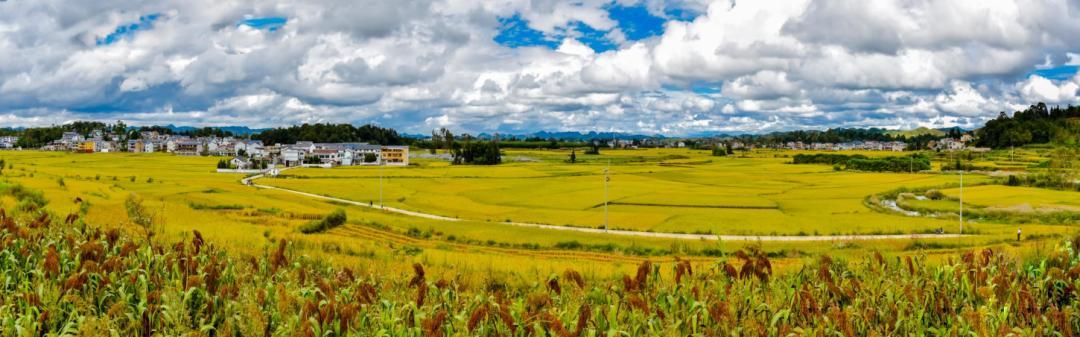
[
  {"x": 435, "y": 141},
  {"x": 447, "y": 139},
  {"x": 331, "y": 133},
  {"x": 1061, "y": 165},
  {"x": 138, "y": 214},
  {"x": 729, "y": 150},
  {"x": 477, "y": 153},
  {"x": 1015, "y": 137},
  {"x": 1037, "y": 124},
  {"x": 370, "y": 157},
  {"x": 594, "y": 148},
  {"x": 573, "y": 157},
  {"x": 120, "y": 129}
]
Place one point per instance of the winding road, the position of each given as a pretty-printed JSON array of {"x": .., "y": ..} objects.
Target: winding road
[{"x": 250, "y": 181}]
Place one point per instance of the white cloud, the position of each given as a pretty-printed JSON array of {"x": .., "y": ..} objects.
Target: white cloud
[
  {"x": 416, "y": 64},
  {"x": 1040, "y": 89}
]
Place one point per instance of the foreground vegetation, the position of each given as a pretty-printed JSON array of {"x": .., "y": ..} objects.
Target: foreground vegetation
[{"x": 75, "y": 278}]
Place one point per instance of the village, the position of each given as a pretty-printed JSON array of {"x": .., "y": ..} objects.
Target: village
[{"x": 247, "y": 154}]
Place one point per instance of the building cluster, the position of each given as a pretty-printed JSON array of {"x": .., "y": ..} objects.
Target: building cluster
[
  {"x": 849, "y": 146},
  {"x": 247, "y": 153},
  {"x": 950, "y": 144},
  {"x": 8, "y": 142},
  {"x": 339, "y": 154}
]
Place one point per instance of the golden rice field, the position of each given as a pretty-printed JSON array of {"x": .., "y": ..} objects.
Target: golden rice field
[
  {"x": 670, "y": 190},
  {"x": 1000, "y": 196},
  {"x": 692, "y": 193}
]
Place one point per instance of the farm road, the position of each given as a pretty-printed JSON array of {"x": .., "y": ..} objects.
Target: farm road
[{"x": 250, "y": 181}]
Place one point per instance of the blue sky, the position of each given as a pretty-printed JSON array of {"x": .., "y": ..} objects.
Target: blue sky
[
  {"x": 634, "y": 22},
  {"x": 1057, "y": 73},
  {"x": 128, "y": 30},
  {"x": 643, "y": 66},
  {"x": 272, "y": 23}
]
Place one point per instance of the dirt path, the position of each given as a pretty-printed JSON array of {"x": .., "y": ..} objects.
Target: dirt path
[{"x": 250, "y": 182}]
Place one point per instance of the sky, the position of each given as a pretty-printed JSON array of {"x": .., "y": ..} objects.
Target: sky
[{"x": 676, "y": 67}]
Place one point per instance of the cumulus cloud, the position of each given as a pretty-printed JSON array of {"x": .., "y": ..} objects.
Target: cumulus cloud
[
  {"x": 1038, "y": 88},
  {"x": 717, "y": 65}
]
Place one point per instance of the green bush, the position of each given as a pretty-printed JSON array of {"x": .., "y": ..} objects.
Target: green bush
[{"x": 334, "y": 219}]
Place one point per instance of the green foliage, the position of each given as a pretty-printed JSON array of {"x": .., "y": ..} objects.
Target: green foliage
[
  {"x": 1037, "y": 124},
  {"x": 200, "y": 206},
  {"x": 863, "y": 163},
  {"x": 890, "y": 164},
  {"x": 370, "y": 158},
  {"x": 38, "y": 137},
  {"x": 1043, "y": 180},
  {"x": 137, "y": 213},
  {"x": 477, "y": 153},
  {"x": 334, "y": 219},
  {"x": 824, "y": 158},
  {"x": 331, "y": 133},
  {"x": 28, "y": 199},
  {"x": 594, "y": 149}
]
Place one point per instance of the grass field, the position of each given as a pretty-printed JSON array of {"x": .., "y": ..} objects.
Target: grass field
[{"x": 673, "y": 190}]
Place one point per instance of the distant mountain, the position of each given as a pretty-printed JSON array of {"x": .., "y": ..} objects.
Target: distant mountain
[
  {"x": 579, "y": 136},
  {"x": 236, "y": 130},
  {"x": 562, "y": 135}
]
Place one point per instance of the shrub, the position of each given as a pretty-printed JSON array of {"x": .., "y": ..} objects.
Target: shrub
[{"x": 334, "y": 219}]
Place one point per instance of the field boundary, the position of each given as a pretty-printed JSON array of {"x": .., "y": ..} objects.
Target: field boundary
[
  {"x": 680, "y": 236},
  {"x": 621, "y": 203}
]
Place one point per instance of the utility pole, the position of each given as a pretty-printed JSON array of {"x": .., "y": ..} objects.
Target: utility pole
[
  {"x": 380, "y": 182},
  {"x": 606, "y": 180},
  {"x": 961, "y": 200}
]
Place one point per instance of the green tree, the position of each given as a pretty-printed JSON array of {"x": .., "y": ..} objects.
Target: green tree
[{"x": 138, "y": 214}]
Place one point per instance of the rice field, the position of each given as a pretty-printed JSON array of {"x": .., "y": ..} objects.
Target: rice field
[
  {"x": 694, "y": 193},
  {"x": 670, "y": 190},
  {"x": 1018, "y": 197}
]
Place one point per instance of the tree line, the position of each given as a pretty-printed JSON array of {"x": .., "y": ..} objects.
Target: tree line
[
  {"x": 1037, "y": 124},
  {"x": 331, "y": 133},
  {"x": 860, "y": 162},
  {"x": 465, "y": 149}
]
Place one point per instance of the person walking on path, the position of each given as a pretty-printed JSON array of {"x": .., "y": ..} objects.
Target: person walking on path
[{"x": 1018, "y": 234}]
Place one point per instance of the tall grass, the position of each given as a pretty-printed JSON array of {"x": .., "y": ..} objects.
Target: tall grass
[{"x": 59, "y": 279}]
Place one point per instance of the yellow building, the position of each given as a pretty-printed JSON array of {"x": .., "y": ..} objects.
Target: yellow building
[
  {"x": 395, "y": 155},
  {"x": 85, "y": 147}
]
